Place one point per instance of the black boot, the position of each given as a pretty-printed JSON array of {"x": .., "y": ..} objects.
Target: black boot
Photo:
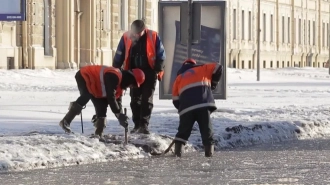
[
  {"x": 209, "y": 150},
  {"x": 135, "y": 129},
  {"x": 99, "y": 125},
  {"x": 143, "y": 129},
  {"x": 74, "y": 110},
  {"x": 178, "y": 149}
]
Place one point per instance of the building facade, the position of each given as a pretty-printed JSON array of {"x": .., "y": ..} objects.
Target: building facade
[
  {"x": 293, "y": 33},
  {"x": 60, "y": 34}
]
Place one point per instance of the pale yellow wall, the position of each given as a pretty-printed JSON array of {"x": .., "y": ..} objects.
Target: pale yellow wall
[
  {"x": 92, "y": 37},
  {"x": 240, "y": 48},
  {"x": 82, "y": 32}
]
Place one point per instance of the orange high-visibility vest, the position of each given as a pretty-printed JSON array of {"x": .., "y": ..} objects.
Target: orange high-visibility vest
[
  {"x": 94, "y": 78},
  {"x": 151, "y": 50}
]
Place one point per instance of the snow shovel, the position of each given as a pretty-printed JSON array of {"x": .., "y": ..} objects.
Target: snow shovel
[
  {"x": 165, "y": 152},
  {"x": 126, "y": 129}
]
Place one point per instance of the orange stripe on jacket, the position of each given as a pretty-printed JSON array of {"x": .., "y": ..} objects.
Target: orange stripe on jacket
[{"x": 197, "y": 76}]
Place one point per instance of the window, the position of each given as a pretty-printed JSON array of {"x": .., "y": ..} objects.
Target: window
[
  {"x": 314, "y": 31},
  {"x": 309, "y": 32},
  {"x": 283, "y": 64},
  {"x": 299, "y": 32},
  {"x": 123, "y": 15},
  {"x": 278, "y": 64},
  {"x": 304, "y": 39},
  {"x": 271, "y": 64},
  {"x": 271, "y": 28},
  {"x": 289, "y": 30},
  {"x": 283, "y": 34},
  {"x": 141, "y": 9},
  {"x": 328, "y": 34},
  {"x": 47, "y": 28},
  {"x": 323, "y": 34},
  {"x": 250, "y": 26},
  {"x": 264, "y": 64},
  {"x": 243, "y": 64},
  {"x": 243, "y": 29},
  {"x": 250, "y": 64},
  {"x": 264, "y": 27},
  {"x": 234, "y": 24}
]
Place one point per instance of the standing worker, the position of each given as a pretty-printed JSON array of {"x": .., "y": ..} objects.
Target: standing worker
[
  {"x": 192, "y": 96},
  {"x": 141, "y": 48},
  {"x": 103, "y": 85}
]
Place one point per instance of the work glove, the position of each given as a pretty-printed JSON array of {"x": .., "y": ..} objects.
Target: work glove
[
  {"x": 213, "y": 87},
  {"x": 123, "y": 119},
  {"x": 94, "y": 119},
  {"x": 157, "y": 76}
]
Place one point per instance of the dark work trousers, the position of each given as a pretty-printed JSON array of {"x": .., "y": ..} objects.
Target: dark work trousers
[
  {"x": 142, "y": 99},
  {"x": 85, "y": 96},
  {"x": 187, "y": 120},
  {"x": 100, "y": 104}
]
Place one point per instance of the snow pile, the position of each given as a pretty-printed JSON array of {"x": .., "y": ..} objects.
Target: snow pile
[
  {"x": 290, "y": 103},
  {"x": 43, "y": 150}
]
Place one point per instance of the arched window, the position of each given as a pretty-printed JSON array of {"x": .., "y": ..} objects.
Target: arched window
[{"x": 47, "y": 28}]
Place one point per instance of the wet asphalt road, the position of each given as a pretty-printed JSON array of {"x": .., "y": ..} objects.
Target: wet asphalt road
[{"x": 295, "y": 162}]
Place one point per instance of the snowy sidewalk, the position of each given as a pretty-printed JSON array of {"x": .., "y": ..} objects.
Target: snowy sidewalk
[{"x": 286, "y": 104}]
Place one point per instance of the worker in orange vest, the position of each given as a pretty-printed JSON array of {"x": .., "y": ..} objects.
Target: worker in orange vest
[
  {"x": 192, "y": 96},
  {"x": 141, "y": 48},
  {"x": 104, "y": 86}
]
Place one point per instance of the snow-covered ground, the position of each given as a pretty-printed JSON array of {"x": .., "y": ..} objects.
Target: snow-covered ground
[{"x": 290, "y": 103}]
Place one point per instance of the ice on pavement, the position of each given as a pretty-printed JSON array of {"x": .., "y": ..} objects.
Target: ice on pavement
[{"x": 289, "y": 103}]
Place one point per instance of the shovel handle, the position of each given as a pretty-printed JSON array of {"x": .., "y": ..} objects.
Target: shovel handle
[{"x": 126, "y": 128}]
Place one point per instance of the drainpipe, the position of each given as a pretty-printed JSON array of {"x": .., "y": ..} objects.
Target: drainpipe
[
  {"x": 79, "y": 14},
  {"x": 329, "y": 40},
  {"x": 319, "y": 31},
  {"x": 292, "y": 28},
  {"x": 24, "y": 45},
  {"x": 277, "y": 27}
]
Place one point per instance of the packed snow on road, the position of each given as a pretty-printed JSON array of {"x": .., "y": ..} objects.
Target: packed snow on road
[{"x": 289, "y": 103}]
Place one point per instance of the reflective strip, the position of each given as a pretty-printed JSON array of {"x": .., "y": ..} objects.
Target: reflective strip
[
  {"x": 179, "y": 139},
  {"x": 196, "y": 107},
  {"x": 119, "y": 52},
  {"x": 175, "y": 97},
  {"x": 153, "y": 45},
  {"x": 216, "y": 68},
  {"x": 126, "y": 38},
  {"x": 104, "y": 93},
  {"x": 196, "y": 84}
]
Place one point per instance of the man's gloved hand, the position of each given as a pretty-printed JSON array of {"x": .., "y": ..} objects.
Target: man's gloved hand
[
  {"x": 123, "y": 119},
  {"x": 158, "y": 76},
  {"x": 94, "y": 119},
  {"x": 213, "y": 87}
]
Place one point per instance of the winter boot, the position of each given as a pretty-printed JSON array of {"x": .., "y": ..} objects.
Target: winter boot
[
  {"x": 135, "y": 129},
  {"x": 178, "y": 149},
  {"x": 74, "y": 110},
  {"x": 143, "y": 130},
  {"x": 209, "y": 150},
  {"x": 99, "y": 125}
]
